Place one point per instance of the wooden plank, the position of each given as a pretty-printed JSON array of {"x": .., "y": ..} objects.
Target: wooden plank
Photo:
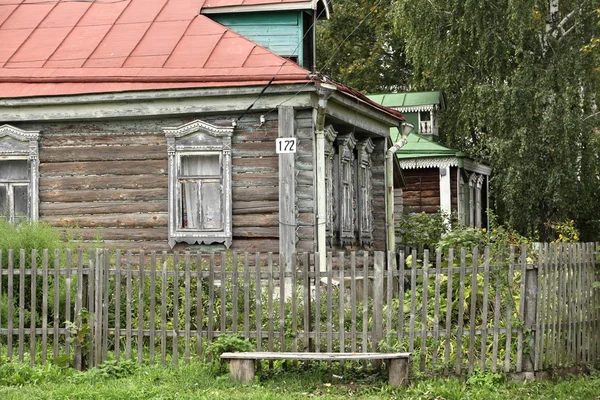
[
  {"x": 342, "y": 307},
  {"x": 56, "y": 322},
  {"x": 365, "y": 310},
  {"x": 353, "y": 313},
  {"x": 44, "y": 304},
  {"x": 103, "y": 153},
  {"x": 33, "y": 307},
  {"x": 68, "y": 273},
  {"x": 561, "y": 302},
  {"x": 234, "y": 289},
  {"x": 98, "y": 292},
  {"x": 473, "y": 310},
  {"x": 246, "y": 297},
  {"x": 282, "y": 306},
  {"x": 175, "y": 342},
  {"x": 241, "y": 207},
  {"x": 287, "y": 189},
  {"x": 163, "y": 311},
  {"x": 497, "y": 304},
  {"x": 78, "y": 361},
  {"x": 187, "y": 306},
  {"x": 555, "y": 299},
  {"x": 485, "y": 304},
  {"x": 118, "y": 278},
  {"x": 99, "y": 207},
  {"x": 144, "y": 181},
  {"x": 307, "y": 316},
  {"x": 312, "y": 356},
  {"x": 258, "y": 302},
  {"x": 401, "y": 298},
  {"x": 389, "y": 295},
  {"x": 92, "y": 140},
  {"x": 569, "y": 304},
  {"x": 461, "y": 312},
  {"x": 9, "y": 313},
  {"x": 129, "y": 296},
  {"x": 295, "y": 302},
  {"x": 105, "y": 167},
  {"x": 449, "y": 290},
  {"x": 317, "y": 283},
  {"x": 413, "y": 301},
  {"x": 105, "y": 302},
  {"x": 378, "y": 265},
  {"x": 152, "y": 316},
  {"x": 329, "y": 302},
  {"x": 436, "y": 307},
  {"x": 424, "y": 309},
  {"x": 509, "y": 304},
  {"x": 91, "y": 301},
  {"x": 270, "y": 289},
  {"x": 21, "y": 345},
  {"x": 541, "y": 319},
  {"x": 1, "y": 269},
  {"x": 199, "y": 302},
  {"x": 223, "y": 298},
  {"x": 141, "y": 308},
  {"x": 111, "y": 221},
  {"x": 79, "y": 196}
]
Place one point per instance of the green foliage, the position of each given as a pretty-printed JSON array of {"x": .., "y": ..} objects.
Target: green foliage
[
  {"x": 416, "y": 229},
  {"x": 521, "y": 95},
  {"x": 485, "y": 379},
  {"x": 372, "y": 58},
  {"x": 227, "y": 344},
  {"x": 114, "y": 369},
  {"x": 18, "y": 374},
  {"x": 29, "y": 236}
]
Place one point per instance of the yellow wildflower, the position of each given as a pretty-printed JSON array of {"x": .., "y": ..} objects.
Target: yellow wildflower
[
  {"x": 575, "y": 237},
  {"x": 560, "y": 236},
  {"x": 483, "y": 230}
]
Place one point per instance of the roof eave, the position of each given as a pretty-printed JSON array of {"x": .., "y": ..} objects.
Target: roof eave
[{"x": 295, "y": 6}]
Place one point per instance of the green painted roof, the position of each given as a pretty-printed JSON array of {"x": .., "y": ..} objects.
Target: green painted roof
[
  {"x": 420, "y": 147},
  {"x": 410, "y": 99}
]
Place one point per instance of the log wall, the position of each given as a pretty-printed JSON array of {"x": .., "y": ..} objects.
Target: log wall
[{"x": 422, "y": 193}]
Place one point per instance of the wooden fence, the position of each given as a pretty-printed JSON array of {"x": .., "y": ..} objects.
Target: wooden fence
[{"x": 523, "y": 311}]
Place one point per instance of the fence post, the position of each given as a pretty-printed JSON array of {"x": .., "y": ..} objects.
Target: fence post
[
  {"x": 530, "y": 318},
  {"x": 379, "y": 262}
]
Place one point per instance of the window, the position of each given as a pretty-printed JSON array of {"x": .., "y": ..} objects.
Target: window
[
  {"x": 19, "y": 171},
  {"x": 330, "y": 135},
  {"x": 346, "y": 189},
  {"x": 365, "y": 178},
  {"x": 199, "y": 183}
]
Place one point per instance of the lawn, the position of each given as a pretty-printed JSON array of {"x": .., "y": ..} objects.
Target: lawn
[{"x": 196, "y": 381}]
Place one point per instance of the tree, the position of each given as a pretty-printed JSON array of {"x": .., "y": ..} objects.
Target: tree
[
  {"x": 521, "y": 94},
  {"x": 360, "y": 47}
]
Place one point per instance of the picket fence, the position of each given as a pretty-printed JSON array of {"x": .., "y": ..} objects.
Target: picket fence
[{"x": 530, "y": 309}]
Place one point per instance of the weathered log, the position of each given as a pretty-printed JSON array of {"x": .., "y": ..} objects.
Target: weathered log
[
  {"x": 153, "y": 167},
  {"x": 107, "y": 153},
  {"x": 94, "y": 208},
  {"x": 104, "y": 182},
  {"x": 103, "y": 195},
  {"x": 111, "y": 220}
]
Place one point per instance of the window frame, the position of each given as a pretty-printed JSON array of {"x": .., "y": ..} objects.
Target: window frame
[
  {"x": 346, "y": 188},
  {"x": 365, "y": 192},
  {"x": 18, "y": 144},
  {"x": 330, "y": 182},
  {"x": 199, "y": 138}
]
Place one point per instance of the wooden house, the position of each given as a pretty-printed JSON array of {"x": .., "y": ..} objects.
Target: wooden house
[
  {"x": 437, "y": 177},
  {"x": 148, "y": 124}
]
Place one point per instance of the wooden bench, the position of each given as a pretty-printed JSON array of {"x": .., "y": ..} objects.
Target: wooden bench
[{"x": 242, "y": 364}]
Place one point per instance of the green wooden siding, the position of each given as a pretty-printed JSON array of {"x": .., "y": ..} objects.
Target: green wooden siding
[{"x": 280, "y": 32}]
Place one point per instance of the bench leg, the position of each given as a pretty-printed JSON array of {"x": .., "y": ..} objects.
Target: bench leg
[
  {"x": 398, "y": 370},
  {"x": 242, "y": 370}
]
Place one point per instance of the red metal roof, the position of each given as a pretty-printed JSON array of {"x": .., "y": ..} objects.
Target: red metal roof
[
  {"x": 65, "y": 47},
  {"x": 53, "y": 47}
]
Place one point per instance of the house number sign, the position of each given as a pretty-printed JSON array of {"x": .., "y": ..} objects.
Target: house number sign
[{"x": 285, "y": 145}]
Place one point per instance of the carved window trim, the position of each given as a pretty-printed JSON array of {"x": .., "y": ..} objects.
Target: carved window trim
[
  {"x": 18, "y": 144},
  {"x": 365, "y": 192},
  {"x": 191, "y": 139},
  {"x": 346, "y": 192},
  {"x": 330, "y": 181}
]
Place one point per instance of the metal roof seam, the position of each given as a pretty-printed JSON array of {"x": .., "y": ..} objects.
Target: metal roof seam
[
  {"x": 30, "y": 33},
  {"x": 11, "y": 13},
  {"x": 67, "y": 35},
  {"x": 178, "y": 42},
  {"x": 214, "y": 47},
  {"x": 145, "y": 33},
  {"x": 106, "y": 34}
]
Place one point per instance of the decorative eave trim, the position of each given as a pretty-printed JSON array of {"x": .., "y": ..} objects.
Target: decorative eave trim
[
  {"x": 195, "y": 126},
  {"x": 425, "y": 107},
  {"x": 294, "y": 6},
  {"x": 330, "y": 134},
  {"x": 437, "y": 162},
  {"x": 476, "y": 167},
  {"x": 18, "y": 134}
]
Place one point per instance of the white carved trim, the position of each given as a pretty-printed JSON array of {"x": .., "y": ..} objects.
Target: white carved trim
[
  {"x": 195, "y": 126},
  {"x": 19, "y": 134},
  {"x": 425, "y": 107},
  {"x": 434, "y": 162},
  {"x": 445, "y": 192}
]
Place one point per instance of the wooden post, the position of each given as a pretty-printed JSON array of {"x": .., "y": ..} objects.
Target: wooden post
[
  {"x": 378, "y": 299},
  {"x": 530, "y": 318},
  {"x": 241, "y": 370},
  {"x": 287, "y": 197},
  {"x": 398, "y": 372}
]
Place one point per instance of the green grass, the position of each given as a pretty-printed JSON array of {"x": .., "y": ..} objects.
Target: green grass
[{"x": 195, "y": 381}]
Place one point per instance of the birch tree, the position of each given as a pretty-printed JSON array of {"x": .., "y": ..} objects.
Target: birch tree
[{"x": 519, "y": 77}]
